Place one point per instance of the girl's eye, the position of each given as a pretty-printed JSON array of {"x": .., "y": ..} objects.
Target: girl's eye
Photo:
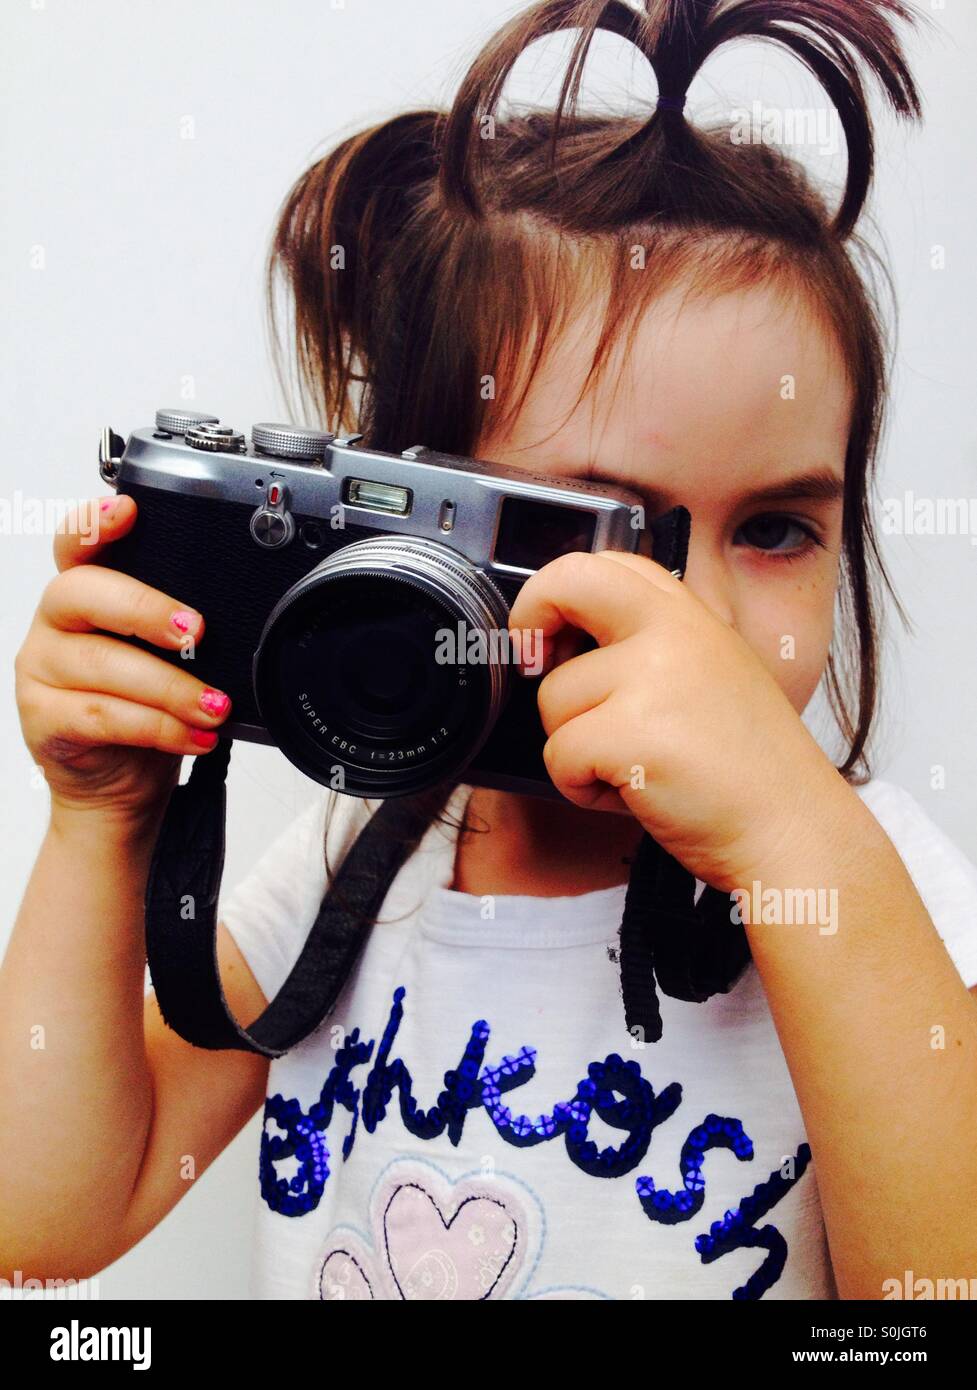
[{"x": 779, "y": 536}]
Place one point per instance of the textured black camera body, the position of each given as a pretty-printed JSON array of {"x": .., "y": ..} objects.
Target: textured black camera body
[{"x": 324, "y": 572}]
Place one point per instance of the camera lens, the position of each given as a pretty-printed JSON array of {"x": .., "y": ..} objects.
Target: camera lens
[{"x": 364, "y": 666}]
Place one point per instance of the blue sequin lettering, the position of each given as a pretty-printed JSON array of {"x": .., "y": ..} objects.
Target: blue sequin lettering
[
  {"x": 715, "y": 1132},
  {"x": 461, "y": 1093},
  {"x": 737, "y": 1230},
  {"x": 614, "y": 1090},
  {"x": 304, "y": 1139}
]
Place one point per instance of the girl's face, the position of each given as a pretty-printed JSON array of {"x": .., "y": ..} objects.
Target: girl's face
[{"x": 717, "y": 399}]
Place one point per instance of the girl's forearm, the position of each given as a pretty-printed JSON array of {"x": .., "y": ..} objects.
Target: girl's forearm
[
  {"x": 75, "y": 1088},
  {"x": 880, "y": 1036}
]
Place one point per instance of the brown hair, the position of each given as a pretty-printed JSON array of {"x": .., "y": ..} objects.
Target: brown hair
[{"x": 435, "y": 248}]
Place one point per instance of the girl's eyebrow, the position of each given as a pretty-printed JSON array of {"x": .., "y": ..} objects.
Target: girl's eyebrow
[{"x": 821, "y": 485}]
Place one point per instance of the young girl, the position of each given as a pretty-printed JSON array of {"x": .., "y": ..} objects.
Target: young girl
[{"x": 635, "y": 299}]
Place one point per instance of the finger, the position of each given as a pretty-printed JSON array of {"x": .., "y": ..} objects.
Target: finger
[
  {"x": 88, "y": 528},
  {"x": 662, "y": 578},
  {"x": 648, "y": 569},
  {"x": 537, "y": 654},
  {"x": 90, "y": 661},
  {"x": 573, "y": 759},
  {"x": 608, "y": 600},
  {"x": 88, "y": 597},
  {"x": 87, "y": 720},
  {"x": 578, "y": 685}
]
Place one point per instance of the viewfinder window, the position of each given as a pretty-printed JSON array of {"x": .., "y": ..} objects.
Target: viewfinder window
[{"x": 532, "y": 533}]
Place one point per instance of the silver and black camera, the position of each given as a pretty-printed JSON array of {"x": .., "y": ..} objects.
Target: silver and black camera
[{"x": 356, "y": 602}]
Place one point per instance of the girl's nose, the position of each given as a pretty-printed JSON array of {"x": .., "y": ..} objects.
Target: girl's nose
[{"x": 709, "y": 580}]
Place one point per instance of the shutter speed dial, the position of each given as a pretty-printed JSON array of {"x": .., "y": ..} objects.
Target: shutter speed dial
[{"x": 291, "y": 441}]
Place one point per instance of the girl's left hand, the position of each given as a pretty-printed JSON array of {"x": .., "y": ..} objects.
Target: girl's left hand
[{"x": 673, "y": 718}]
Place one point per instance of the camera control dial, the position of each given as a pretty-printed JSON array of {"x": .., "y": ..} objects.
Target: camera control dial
[
  {"x": 291, "y": 441},
  {"x": 272, "y": 525},
  {"x": 215, "y": 439},
  {"x": 179, "y": 421}
]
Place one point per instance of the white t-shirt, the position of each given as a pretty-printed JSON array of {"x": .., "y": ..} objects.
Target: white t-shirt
[{"x": 474, "y": 1121}]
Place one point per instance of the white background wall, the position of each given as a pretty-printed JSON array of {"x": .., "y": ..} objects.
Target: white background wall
[{"x": 153, "y": 249}]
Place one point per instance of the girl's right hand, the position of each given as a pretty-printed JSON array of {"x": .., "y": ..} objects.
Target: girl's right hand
[{"x": 107, "y": 722}]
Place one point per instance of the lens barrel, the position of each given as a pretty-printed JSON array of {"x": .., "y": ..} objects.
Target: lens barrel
[{"x": 364, "y": 674}]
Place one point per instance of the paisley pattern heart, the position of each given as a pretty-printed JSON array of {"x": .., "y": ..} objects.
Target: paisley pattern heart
[
  {"x": 432, "y": 1255},
  {"x": 434, "y": 1239},
  {"x": 342, "y": 1277}
]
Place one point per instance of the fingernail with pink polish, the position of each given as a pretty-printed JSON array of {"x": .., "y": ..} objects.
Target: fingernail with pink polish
[
  {"x": 202, "y": 738},
  {"x": 214, "y": 702},
  {"x": 183, "y": 619}
]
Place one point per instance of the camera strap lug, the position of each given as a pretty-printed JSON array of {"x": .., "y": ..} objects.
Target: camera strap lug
[{"x": 111, "y": 447}]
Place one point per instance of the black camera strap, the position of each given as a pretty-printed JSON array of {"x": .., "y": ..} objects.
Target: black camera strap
[
  {"x": 693, "y": 950},
  {"x": 181, "y": 914}
]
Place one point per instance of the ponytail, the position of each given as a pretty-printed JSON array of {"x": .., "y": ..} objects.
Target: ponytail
[{"x": 660, "y": 165}]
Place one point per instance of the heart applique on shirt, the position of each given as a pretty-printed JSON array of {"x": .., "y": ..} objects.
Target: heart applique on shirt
[{"x": 433, "y": 1240}]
